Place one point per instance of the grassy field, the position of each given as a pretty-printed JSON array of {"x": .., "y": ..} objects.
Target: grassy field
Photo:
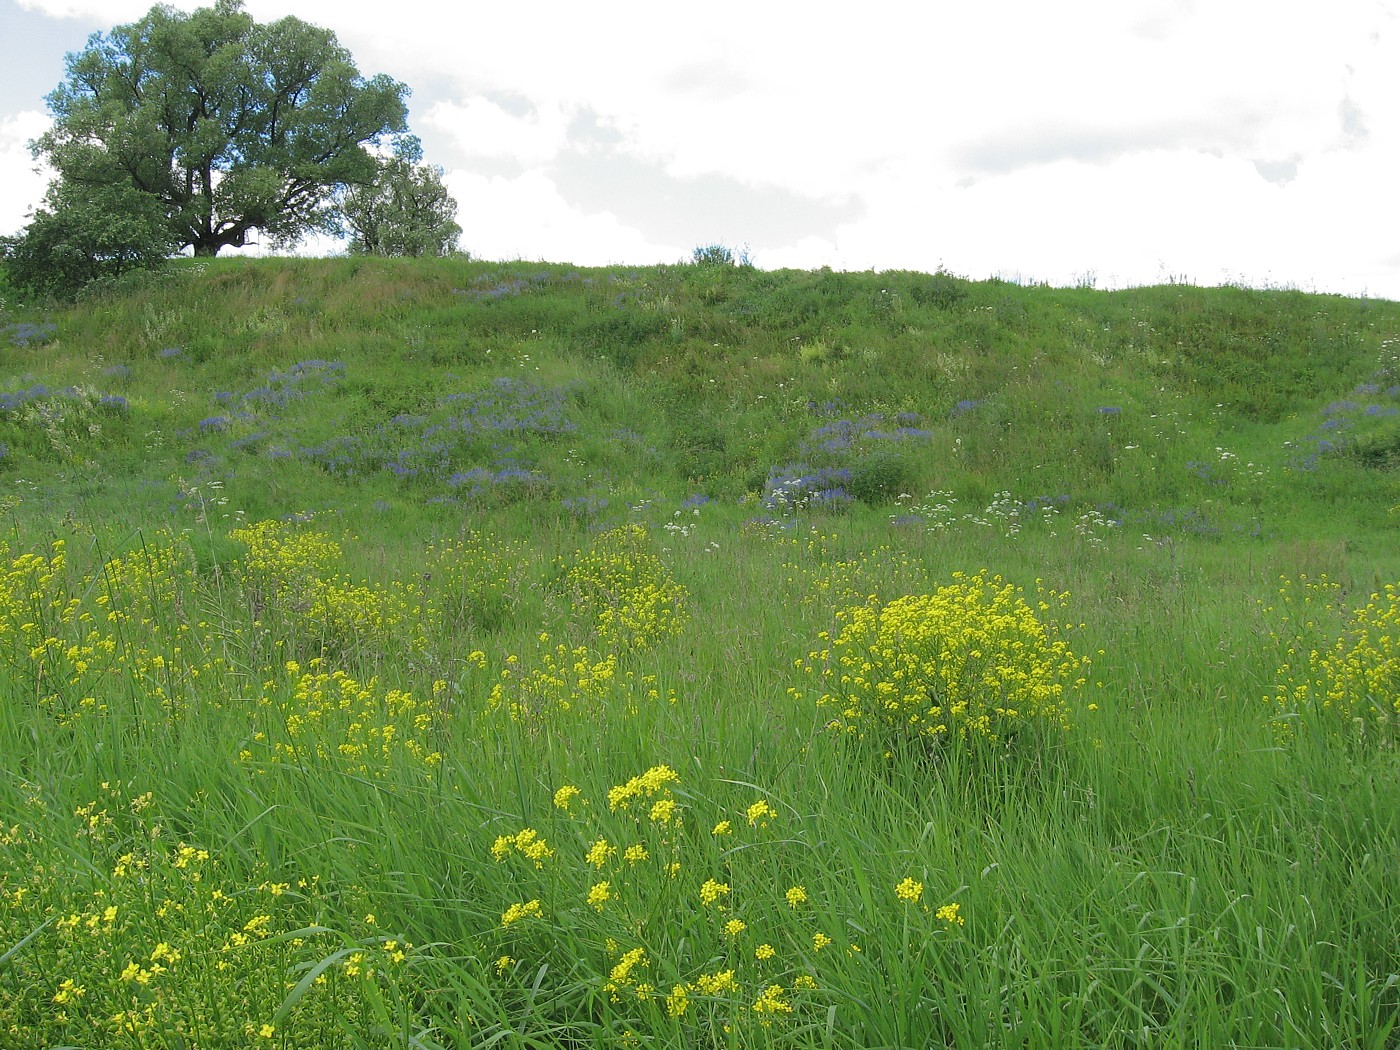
[{"x": 453, "y": 654}]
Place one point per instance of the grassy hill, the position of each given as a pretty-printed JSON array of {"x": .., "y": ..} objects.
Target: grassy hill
[
  {"x": 444, "y": 653},
  {"x": 483, "y": 384}
]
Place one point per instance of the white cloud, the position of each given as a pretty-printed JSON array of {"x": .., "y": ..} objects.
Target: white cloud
[
  {"x": 527, "y": 218},
  {"x": 21, "y": 186},
  {"x": 480, "y": 127},
  {"x": 117, "y": 11}
]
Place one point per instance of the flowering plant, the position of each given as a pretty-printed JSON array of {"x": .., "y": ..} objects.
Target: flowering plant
[{"x": 972, "y": 660}]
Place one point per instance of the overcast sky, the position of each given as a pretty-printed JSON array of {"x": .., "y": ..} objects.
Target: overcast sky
[{"x": 1123, "y": 141}]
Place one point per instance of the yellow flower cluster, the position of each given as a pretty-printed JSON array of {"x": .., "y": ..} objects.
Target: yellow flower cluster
[
  {"x": 620, "y": 978},
  {"x": 167, "y": 949},
  {"x": 610, "y": 875},
  {"x": 528, "y": 910},
  {"x": 289, "y": 570},
  {"x": 565, "y": 679},
  {"x": 337, "y": 719},
  {"x": 285, "y": 563},
  {"x": 621, "y": 582},
  {"x": 772, "y": 1001},
  {"x": 527, "y": 843},
  {"x": 760, "y": 813},
  {"x": 77, "y": 637},
  {"x": 909, "y": 890},
  {"x": 711, "y": 891},
  {"x": 564, "y": 797},
  {"x": 654, "y": 781},
  {"x": 972, "y": 660},
  {"x": 1339, "y": 671}
]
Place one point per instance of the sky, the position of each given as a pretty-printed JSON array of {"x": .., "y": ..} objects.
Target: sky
[{"x": 1104, "y": 142}]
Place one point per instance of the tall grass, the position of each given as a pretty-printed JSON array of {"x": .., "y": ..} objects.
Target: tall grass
[{"x": 458, "y": 696}]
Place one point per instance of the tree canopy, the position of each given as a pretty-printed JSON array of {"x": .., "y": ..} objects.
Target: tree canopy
[
  {"x": 83, "y": 234},
  {"x": 406, "y": 211},
  {"x": 227, "y": 125}
]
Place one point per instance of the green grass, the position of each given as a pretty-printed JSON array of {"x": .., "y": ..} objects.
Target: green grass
[{"x": 285, "y": 762}]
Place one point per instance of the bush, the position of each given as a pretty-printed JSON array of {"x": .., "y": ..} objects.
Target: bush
[
  {"x": 880, "y": 476},
  {"x": 970, "y": 662},
  {"x": 712, "y": 255},
  {"x": 85, "y": 235}
]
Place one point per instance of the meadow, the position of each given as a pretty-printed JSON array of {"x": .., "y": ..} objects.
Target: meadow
[{"x": 445, "y": 653}]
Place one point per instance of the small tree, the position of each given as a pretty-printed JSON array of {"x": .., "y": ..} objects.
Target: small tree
[
  {"x": 84, "y": 234},
  {"x": 406, "y": 211}
]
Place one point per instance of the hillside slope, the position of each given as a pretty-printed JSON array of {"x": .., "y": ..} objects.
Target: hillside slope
[{"x": 363, "y": 385}]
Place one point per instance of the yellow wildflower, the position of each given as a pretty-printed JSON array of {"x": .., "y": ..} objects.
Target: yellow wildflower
[
  {"x": 949, "y": 914},
  {"x": 760, "y": 813},
  {"x": 621, "y": 973},
  {"x": 516, "y": 912},
  {"x": 599, "y": 852},
  {"x": 68, "y": 991},
  {"x": 711, "y": 891},
  {"x": 677, "y": 1001},
  {"x": 771, "y": 1001},
  {"x": 716, "y": 983},
  {"x": 662, "y": 810},
  {"x": 598, "y": 894},
  {"x": 909, "y": 890}
]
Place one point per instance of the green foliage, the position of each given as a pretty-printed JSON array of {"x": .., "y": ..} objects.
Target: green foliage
[
  {"x": 941, "y": 289},
  {"x": 971, "y": 662},
  {"x": 85, "y": 234},
  {"x": 406, "y": 211},
  {"x": 1379, "y": 450},
  {"x": 880, "y": 475},
  {"x": 594, "y": 678},
  {"x": 712, "y": 255},
  {"x": 224, "y": 125}
]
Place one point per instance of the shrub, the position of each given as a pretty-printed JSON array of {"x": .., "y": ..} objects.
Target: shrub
[
  {"x": 972, "y": 661},
  {"x": 712, "y": 255},
  {"x": 881, "y": 475},
  {"x": 83, "y": 236}
]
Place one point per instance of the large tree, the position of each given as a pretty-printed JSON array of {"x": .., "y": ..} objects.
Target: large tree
[
  {"x": 232, "y": 126},
  {"x": 405, "y": 211}
]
